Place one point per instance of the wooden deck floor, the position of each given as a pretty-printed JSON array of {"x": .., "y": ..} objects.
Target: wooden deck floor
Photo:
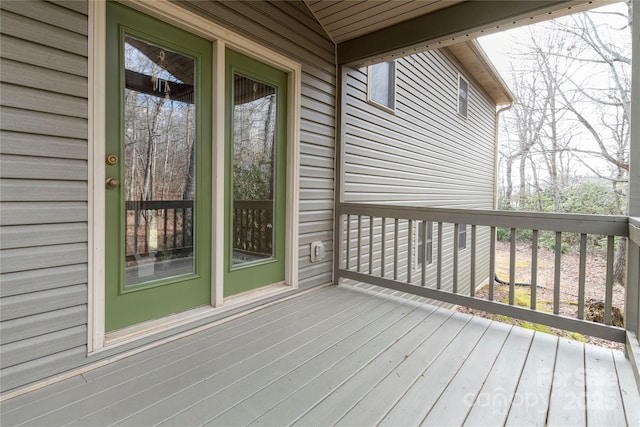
[{"x": 344, "y": 356}]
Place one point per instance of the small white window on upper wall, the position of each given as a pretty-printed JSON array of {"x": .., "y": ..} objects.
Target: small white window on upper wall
[
  {"x": 463, "y": 96},
  {"x": 382, "y": 85}
]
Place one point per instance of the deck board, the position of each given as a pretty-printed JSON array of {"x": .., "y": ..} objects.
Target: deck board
[
  {"x": 143, "y": 374},
  {"x": 628, "y": 389},
  {"x": 498, "y": 392},
  {"x": 298, "y": 404},
  {"x": 359, "y": 347},
  {"x": 414, "y": 405},
  {"x": 567, "y": 402},
  {"x": 461, "y": 393},
  {"x": 242, "y": 391},
  {"x": 175, "y": 392},
  {"x": 530, "y": 402},
  {"x": 347, "y": 356},
  {"x": 603, "y": 401}
]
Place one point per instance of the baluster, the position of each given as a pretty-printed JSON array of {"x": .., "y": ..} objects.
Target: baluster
[
  {"x": 534, "y": 269},
  {"x": 164, "y": 229},
  {"x": 175, "y": 228},
  {"x": 410, "y": 251},
  {"x": 245, "y": 227},
  {"x": 456, "y": 249},
  {"x": 582, "y": 274},
  {"x": 512, "y": 266},
  {"x": 254, "y": 231},
  {"x": 423, "y": 279},
  {"x": 608, "y": 299},
  {"x": 370, "y": 245},
  {"x": 492, "y": 262},
  {"x": 359, "y": 247},
  {"x": 472, "y": 283},
  {"x": 439, "y": 265},
  {"x": 136, "y": 228},
  {"x": 348, "y": 242},
  {"x": 186, "y": 225},
  {"x": 270, "y": 221},
  {"x": 383, "y": 246},
  {"x": 395, "y": 250},
  {"x": 556, "y": 278},
  {"x": 263, "y": 231}
]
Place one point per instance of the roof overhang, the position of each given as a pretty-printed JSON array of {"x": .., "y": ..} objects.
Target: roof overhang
[
  {"x": 372, "y": 31},
  {"x": 477, "y": 64}
]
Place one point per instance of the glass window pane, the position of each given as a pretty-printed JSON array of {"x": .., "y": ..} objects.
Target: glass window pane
[
  {"x": 254, "y": 131},
  {"x": 382, "y": 81},
  {"x": 463, "y": 96},
  {"x": 159, "y": 162}
]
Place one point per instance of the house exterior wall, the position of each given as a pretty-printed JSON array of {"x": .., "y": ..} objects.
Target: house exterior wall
[
  {"x": 423, "y": 154},
  {"x": 44, "y": 191}
]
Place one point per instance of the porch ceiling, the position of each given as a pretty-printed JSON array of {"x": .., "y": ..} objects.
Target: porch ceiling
[
  {"x": 375, "y": 30},
  {"x": 345, "y": 20}
]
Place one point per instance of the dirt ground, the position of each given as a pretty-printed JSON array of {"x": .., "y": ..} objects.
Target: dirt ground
[{"x": 594, "y": 288}]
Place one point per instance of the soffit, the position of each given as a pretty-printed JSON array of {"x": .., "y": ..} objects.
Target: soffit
[
  {"x": 371, "y": 31},
  {"x": 345, "y": 20},
  {"x": 476, "y": 63}
]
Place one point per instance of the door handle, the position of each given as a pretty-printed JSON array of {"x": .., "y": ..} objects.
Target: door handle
[{"x": 111, "y": 183}]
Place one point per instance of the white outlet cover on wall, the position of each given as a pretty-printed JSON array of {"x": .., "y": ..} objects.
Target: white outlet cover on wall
[{"x": 317, "y": 251}]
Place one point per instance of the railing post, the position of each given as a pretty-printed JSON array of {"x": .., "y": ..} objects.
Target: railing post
[{"x": 632, "y": 291}]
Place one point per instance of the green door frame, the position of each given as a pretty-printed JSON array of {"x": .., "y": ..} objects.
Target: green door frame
[{"x": 238, "y": 279}]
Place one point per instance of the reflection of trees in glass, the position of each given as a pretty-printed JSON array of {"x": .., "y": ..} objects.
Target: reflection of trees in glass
[
  {"x": 159, "y": 137},
  {"x": 253, "y": 160}
]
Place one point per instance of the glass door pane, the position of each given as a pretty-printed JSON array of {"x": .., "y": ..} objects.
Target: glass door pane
[
  {"x": 159, "y": 162},
  {"x": 253, "y": 174}
]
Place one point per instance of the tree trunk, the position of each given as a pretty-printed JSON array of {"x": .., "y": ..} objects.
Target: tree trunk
[{"x": 620, "y": 263}]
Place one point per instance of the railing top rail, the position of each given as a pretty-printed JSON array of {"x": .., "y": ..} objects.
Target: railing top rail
[
  {"x": 157, "y": 204},
  {"x": 569, "y": 223},
  {"x": 253, "y": 204}
]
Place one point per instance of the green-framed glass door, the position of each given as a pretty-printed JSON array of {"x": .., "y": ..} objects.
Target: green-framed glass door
[
  {"x": 255, "y": 174},
  {"x": 158, "y": 169}
]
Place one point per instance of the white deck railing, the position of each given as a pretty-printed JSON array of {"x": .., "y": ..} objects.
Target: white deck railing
[{"x": 377, "y": 245}]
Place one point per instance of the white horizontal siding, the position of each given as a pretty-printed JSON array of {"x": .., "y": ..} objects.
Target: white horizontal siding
[
  {"x": 41, "y": 324},
  {"x": 423, "y": 154},
  {"x": 26, "y": 282},
  {"x": 43, "y": 188}
]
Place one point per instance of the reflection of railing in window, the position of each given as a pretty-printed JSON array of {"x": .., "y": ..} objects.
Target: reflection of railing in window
[
  {"x": 159, "y": 227},
  {"x": 165, "y": 228},
  {"x": 253, "y": 226}
]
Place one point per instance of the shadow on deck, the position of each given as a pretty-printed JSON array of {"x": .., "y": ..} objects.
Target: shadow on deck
[{"x": 348, "y": 356}]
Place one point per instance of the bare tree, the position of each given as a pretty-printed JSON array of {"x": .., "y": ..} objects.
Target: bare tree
[
  {"x": 604, "y": 46},
  {"x": 573, "y": 108}
]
